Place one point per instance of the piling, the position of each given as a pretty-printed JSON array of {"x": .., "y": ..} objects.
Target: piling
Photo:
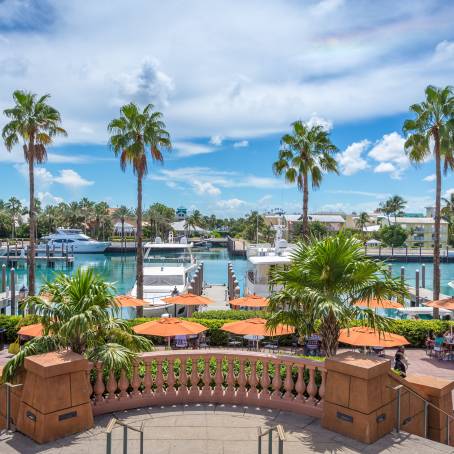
[
  {"x": 12, "y": 285},
  {"x": 417, "y": 287},
  {"x": 402, "y": 274},
  {"x": 3, "y": 278},
  {"x": 423, "y": 276}
]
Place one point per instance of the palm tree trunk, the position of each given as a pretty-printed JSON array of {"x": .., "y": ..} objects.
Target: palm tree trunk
[
  {"x": 436, "y": 272},
  {"x": 123, "y": 233},
  {"x": 305, "y": 206},
  {"x": 329, "y": 332},
  {"x": 32, "y": 221},
  {"x": 139, "y": 273}
]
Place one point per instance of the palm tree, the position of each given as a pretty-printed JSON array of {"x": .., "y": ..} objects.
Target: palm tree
[
  {"x": 14, "y": 208},
  {"x": 323, "y": 281},
  {"x": 395, "y": 205},
  {"x": 122, "y": 213},
  {"x": 431, "y": 132},
  {"x": 361, "y": 221},
  {"x": 79, "y": 317},
  {"x": 36, "y": 123},
  {"x": 305, "y": 153},
  {"x": 195, "y": 219},
  {"x": 130, "y": 135}
]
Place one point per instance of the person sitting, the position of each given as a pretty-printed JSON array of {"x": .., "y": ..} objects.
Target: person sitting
[
  {"x": 439, "y": 349},
  {"x": 401, "y": 362},
  {"x": 429, "y": 344}
]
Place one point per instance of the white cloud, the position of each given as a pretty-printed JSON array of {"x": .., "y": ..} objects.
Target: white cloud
[
  {"x": 201, "y": 187},
  {"x": 186, "y": 149},
  {"x": 316, "y": 120},
  {"x": 390, "y": 153},
  {"x": 351, "y": 160},
  {"x": 230, "y": 204},
  {"x": 241, "y": 144},
  {"x": 72, "y": 179},
  {"x": 444, "y": 51},
  {"x": 385, "y": 167},
  {"x": 216, "y": 140},
  {"x": 47, "y": 198},
  {"x": 266, "y": 198},
  {"x": 324, "y": 7},
  {"x": 432, "y": 177}
]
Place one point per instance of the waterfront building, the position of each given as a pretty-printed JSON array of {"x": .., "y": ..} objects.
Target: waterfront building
[{"x": 181, "y": 213}]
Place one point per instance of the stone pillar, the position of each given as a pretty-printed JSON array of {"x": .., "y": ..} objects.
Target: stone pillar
[
  {"x": 357, "y": 401},
  {"x": 55, "y": 399}
]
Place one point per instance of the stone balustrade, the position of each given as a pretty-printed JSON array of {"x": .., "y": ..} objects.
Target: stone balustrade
[{"x": 212, "y": 376}]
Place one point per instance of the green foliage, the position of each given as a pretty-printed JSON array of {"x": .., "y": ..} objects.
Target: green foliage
[
  {"x": 393, "y": 235},
  {"x": 14, "y": 348},
  {"x": 230, "y": 315}
]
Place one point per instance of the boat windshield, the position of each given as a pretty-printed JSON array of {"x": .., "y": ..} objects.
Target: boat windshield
[{"x": 168, "y": 280}]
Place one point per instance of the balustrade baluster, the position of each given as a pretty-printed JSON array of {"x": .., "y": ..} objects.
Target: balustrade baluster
[
  {"x": 195, "y": 378},
  {"x": 321, "y": 389},
  {"x": 99, "y": 387},
  {"x": 147, "y": 380},
  {"x": 242, "y": 382},
  {"x": 311, "y": 386},
  {"x": 183, "y": 379},
  {"x": 171, "y": 379},
  {"x": 206, "y": 377},
  {"x": 123, "y": 385},
  {"x": 218, "y": 380},
  {"x": 111, "y": 385},
  {"x": 159, "y": 379},
  {"x": 277, "y": 381},
  {"x": 135, "y": 381},
  {"x": 230, "y": 391},
  {"x": 265, "y": 381},
  {"x": 253, "y": 380},
  {"x": 300, "y": 385},
  {"x": 288, "y": 382}
]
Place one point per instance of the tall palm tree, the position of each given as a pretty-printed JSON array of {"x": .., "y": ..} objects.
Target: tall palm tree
[
  {"x": 395, "y": 205},
  {"x": 431, "y": 132},
  {"x": 14, "y": 208},
  {"x": 306, "y": 153},
  {"x": 361, "y": 221},
  {"x": 36, "y": 123},
  {"x": 130, "y": 135},
  {"x": 325, "y": 279},
  {"x": 80, "y": 317},
  {"x": 122, "y": 213}
]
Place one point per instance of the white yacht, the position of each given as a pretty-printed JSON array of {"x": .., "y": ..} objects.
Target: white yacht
[
  {"x": 73, "y": 240},
  {"x": 261, "y": 259},
  {"x": 166, "y": 275}
]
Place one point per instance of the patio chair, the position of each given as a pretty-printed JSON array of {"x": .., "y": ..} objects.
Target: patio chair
[
  {"x": 235, "y": 342},
  {"x": 181, "y": 342},
  {"x": 312, "y": 347},
  {"x": 204, "y": 342},
  {"x": 439, "y": 349},
  {"x": 272, "y": 345}
]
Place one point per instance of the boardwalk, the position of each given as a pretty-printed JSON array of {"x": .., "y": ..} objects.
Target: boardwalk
[{"x": 218, "y": 294}]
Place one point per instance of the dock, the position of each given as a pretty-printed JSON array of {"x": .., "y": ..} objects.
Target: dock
[
  {"x": 49, "y": 261},
  {"x": 218, "y": 294},
  {"x": 424, "y": 295},
  {"x": 405, "y": 254},
  {"x": 236, "y": 247}
]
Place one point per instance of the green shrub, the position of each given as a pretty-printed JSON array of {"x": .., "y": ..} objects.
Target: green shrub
[{"x": 14, "y": 347}]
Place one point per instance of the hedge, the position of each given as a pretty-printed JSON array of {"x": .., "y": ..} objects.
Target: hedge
[{"x": 415, "y": 331}]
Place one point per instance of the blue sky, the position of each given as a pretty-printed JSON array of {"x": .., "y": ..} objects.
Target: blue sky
[{"x": 229, "y": 78}]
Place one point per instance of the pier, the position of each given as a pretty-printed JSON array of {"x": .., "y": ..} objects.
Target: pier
[
  {"x": 405, "y": 254},
  {"x": 236, "y": 247}
]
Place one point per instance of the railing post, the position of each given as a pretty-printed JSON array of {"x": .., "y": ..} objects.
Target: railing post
[
  {"x": 426, "y": 417},
  {"x": 109, "y": 443},
  {"x": 125, "y": 440},
  {"x": 259, "y": 449},
  {"x": 141, "y": 442},
  {"x": 8, "y": 407},
  {"x": 447, "y": 430},
  {"x": 280, "y": 446},
  {"x": 270, "y": 442},
  {"x": 398, "y": 410}
]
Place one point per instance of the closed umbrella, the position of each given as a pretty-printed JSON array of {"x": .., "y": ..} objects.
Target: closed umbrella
[
  {"x": 362, "y": 336},
  {"x": 378, "y": 304},
  {"x": 250, "y": 301},
  {"x": 169, "y": 327}
]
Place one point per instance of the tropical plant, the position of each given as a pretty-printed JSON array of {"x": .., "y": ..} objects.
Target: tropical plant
[
  {"x": 447, "y": 213},
  {"x": 325, "y": 279},
  {"x": 431, "y": 132},
  {"x": 160, "y": 218},
  {"x": 193, "y": 221},
  {"x": 36, "y": 123},
  {"x": 122, "y": 213},
  {"x": 14, "y": 208},
  {"x": 80, "y": 317},
  {"x": 306, "y": 153},
  {"x": 393, "y": 235},
  {"x": 395, "y": 206},
  {"x": 361, "y": 222},
  {"x": 130, "y": 135}
]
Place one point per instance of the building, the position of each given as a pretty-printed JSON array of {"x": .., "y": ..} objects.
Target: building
[
  {"x": 181, "y": 213},
  {"x": 333, "y": 222},
  {"x": 421, "y": 231}
]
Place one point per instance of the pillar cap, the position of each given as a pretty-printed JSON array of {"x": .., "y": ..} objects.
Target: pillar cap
[
  {"x": 55, "y": 363},
  {"x": 430, "y": 385},
  {"x": 358, "y": 365}
]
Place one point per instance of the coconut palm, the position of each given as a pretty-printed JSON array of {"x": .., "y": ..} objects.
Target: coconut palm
[
  {"x": 323, "y": 281},
  {"x": 431, "y": 132},
  {"x": 395, "y": 206},
  {"x": 122, "y": 213},
  {"x": 361, "y": 221},
  {"x": 130, "y": 135},
  {"x": 195, "y": 219},
  {"x": 80, "y": 317},
  {"x": 35, "y": 123},
  {"x": 305, "y": 153},
  {"x": 14, "y": 208}
]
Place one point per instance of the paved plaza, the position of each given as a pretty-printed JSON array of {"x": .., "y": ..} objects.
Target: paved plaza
[{"x": 216, "y": 429}]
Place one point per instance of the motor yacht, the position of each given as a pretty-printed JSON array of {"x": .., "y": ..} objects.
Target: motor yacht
[{"x": 73, "y": 240}]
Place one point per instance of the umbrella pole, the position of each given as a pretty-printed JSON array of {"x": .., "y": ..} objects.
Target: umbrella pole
[
  {"x": 168, "y": 342},
  {"x": 175, "y": 310}
]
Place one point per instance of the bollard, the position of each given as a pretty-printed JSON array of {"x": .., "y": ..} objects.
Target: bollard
[
  {"x": 12, "y": 286},
  {"x": 3, "y": 278},
  {"x": 417, "y": 287},
  {"x": 423, "y": 276},
  {"x": 402, "y": 274}
]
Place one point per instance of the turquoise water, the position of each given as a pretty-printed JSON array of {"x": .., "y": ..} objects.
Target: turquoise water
[{"x": 121, "y": 268}]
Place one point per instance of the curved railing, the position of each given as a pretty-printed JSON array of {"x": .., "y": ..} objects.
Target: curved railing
[{"x": 212, "y": 376}]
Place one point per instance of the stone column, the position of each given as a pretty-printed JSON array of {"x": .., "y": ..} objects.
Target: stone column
[{"x": 55, "y": 399}]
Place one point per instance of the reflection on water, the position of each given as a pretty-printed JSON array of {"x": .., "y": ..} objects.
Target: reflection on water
[{"x": 121, "y": 268}]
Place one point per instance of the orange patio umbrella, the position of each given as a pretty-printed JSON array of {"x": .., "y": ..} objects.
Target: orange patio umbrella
[
  {"x": 256, "y": 327},
  {"x": 188, "y": 299},
  {"x": 378, "y": 304},
  {"x": 250, "y": 301},
  {"x": 35, "y": 330},
  {"x": 447, "y": 303},
  {"x": 362, "y": 336},
  {"x": 129, "y": 301}
]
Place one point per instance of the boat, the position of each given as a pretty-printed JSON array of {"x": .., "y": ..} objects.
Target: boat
[
  {"x": 421, "y": 312},
  {"x": 261, "y": 259},
  {"x": 166, "y": 275},
  {"x": 72, "y": 241}
]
